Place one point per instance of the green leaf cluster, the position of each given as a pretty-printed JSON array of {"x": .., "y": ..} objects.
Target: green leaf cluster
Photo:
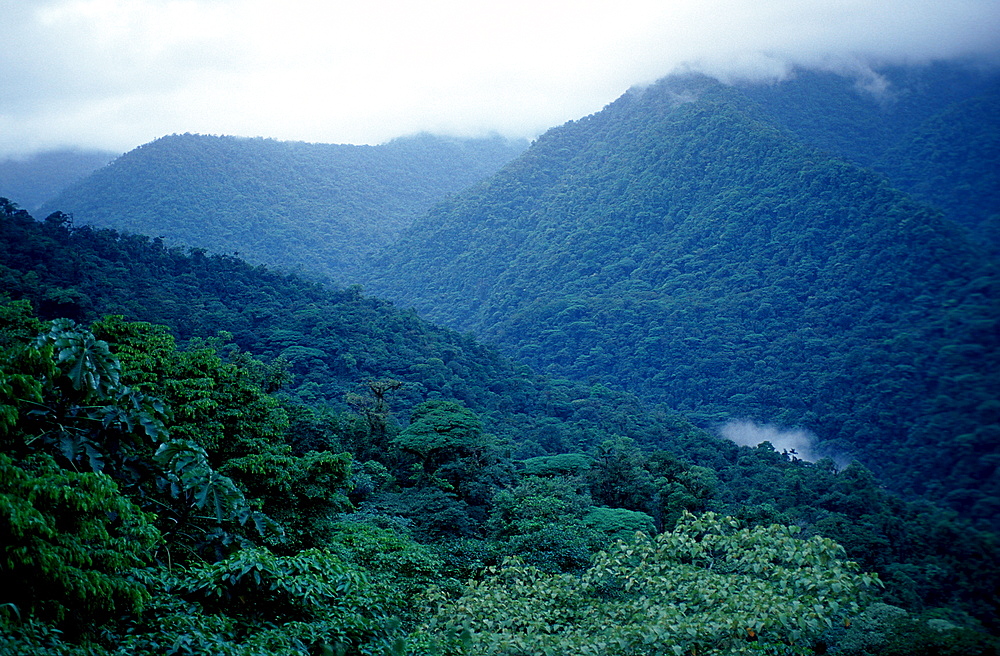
[{"x": 707, "y": 587}]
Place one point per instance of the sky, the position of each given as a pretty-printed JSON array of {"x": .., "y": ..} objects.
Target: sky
[{"x": 114, "y": 74}]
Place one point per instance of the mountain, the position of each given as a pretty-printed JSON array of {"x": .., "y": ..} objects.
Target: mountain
[
  {"x": 34, "y": 179},
  {"x": 519, "y": 464},
  {"x": 684, "y": 245},
  {"x": 318, "y": 208},
  {"x": 862, "y": 115},
  {"x": 333, "y": 341},
  {"x": 932, "y": 130},
  {"x": 952, "y": 161},
  {"x": 279, "y": 464}
]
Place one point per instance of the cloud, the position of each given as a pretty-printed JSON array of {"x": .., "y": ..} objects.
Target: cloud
[
  {"x": 748, "y": 433},
  {"x": 116, "y": 73}
]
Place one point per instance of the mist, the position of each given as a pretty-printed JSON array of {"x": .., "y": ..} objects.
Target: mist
[{"x": 748, "y": 433}]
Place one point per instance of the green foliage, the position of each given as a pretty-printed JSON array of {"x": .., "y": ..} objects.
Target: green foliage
[
  {"x": 74, "y": 402},
  {"x": 68, "y": 398},
  {"x": 707, "y": 587},
  {"x": 303, "y": 493},
  {"x": 885, "y": 630},
  {"x": 542, "y": 521},
  {"x": 701, "y": 256},
  {"x": 78, "y": 546},
  {"x": 438, "y": 427},
  {"x": 198, "y": 486},
  {"x": 223, "y": 406},
  {"x": 71, "y": 544},
  {"x": 452, "y": 451},
  {"x": 429, "y": 513},
  {"x": 537, "y": 502},
  {"x": 619, "y": 523},
  {"x": 86, "y": 362},
  {"x": 618, "y": 477},
  {"x": 562, "y": 464},
  {"x": 398, "y": 568},
  {"x": 255, "y": 603},
  {"x": 257, "y": 584},
  {"x": 312, "y": 207}
]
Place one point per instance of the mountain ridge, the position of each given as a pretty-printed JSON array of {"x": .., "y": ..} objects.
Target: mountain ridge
[
  {"x": 687, "y": 244},
  {"x": 314, "y": 208},
  {"x": 705, "y": 246}
]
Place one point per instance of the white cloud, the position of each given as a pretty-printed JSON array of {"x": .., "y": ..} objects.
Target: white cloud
[
  {"x": 117, "y": 73},
  {"x": 796, "y": 441}
]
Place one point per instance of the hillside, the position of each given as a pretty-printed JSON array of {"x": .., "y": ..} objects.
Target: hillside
[
  {"x": 952, "y": 161},
  {"x": 933, "y": 130},
  {"x": 681, "y": 245},
  {"x": 332, "y": 340},
  {"x": 864, "y": 115},
  {"x": 316, "y": 208},
  {"x": 303, "y": 467},
  {"x": 34, "y": 179}
]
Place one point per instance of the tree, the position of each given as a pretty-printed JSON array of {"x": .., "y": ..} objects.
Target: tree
[
  {"x": 69, "y": 399},
  {"x": 542, "y": 521},
  {"x": 452, "y": 450},
  {"x": 618, "y": 476},
  {"x": 70, "y": 544},
  {"x": 707, "y": 587}
]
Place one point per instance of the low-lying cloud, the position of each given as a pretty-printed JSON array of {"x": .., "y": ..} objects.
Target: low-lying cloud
[
  {"x": 118, "y": 73},
  {"x": 797, "y": 442}
]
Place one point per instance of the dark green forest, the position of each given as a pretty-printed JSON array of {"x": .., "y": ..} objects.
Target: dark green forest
[
  {"x": 208, "y": 446},
  {"x": 680, "y": 246},
  {"x": 315, "y": 208},
  {"x": 204, "y": 456},
  {"x": 932, "y": 130}
]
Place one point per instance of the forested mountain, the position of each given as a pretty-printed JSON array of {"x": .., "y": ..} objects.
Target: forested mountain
[
  {"x": 953, "y": 162},
  {"x": 682, "y": 245},
  {"x": 34, "y": 179},
  {"x": 316, "y": 208},
  {"x": 933, "y": 130},
  {"x": 165, "y": 491},
  {"x": 203, "y": 455}
]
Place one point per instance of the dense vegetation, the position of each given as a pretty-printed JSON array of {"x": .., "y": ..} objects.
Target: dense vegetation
[
  {"x": 332, "y": 475},
  {"x": 34, "y": 179},
  {"x": 312, "y": 207},
  {"x": 695, "y": 244},
  {"x": 681, "y": 246},
  {"x": 933, "y": 130}
]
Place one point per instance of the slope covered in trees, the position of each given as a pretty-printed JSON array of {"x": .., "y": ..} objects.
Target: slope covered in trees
[
  {"x": 680, "y": 245},
  {"x": 34, "y": 179},
  {"x": 317, "y": 208},
  {"x": 933, "y": 130},
  {"x": 182, "y": 496},
  {"x": 952, "y": 161}
]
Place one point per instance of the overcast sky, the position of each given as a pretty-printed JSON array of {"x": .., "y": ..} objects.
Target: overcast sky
[{"x": 118, "y": 73}]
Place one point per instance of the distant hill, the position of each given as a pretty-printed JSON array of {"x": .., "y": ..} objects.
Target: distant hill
[
  {"x": 332, "y": 340},
  {"x": 952, "y": 161},
  {"x": 933, "y": 130},
  {"x": 683, "y": 244},
  {"x": 316, "y": 208},
  {"x": 34, "y": 179}
]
